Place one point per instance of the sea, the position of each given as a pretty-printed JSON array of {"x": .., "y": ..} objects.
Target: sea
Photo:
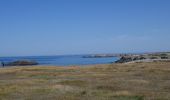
[{"x": 63, "y": 60}]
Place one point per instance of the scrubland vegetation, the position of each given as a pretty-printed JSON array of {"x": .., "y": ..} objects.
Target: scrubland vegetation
[{"x": 135, "y": 81}]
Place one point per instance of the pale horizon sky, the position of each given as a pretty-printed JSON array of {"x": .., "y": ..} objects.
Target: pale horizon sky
[{"x": 59, "y": 27}]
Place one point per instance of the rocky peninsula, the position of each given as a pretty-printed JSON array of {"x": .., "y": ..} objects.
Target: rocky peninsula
[
  {"x": 146, "y": 57},
  {"x": 21, "y": 63}
]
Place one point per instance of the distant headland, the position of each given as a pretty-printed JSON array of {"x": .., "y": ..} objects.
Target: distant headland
[{"x": 135, "y": 57}]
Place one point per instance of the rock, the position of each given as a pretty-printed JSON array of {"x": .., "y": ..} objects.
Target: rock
[
  {"x": 154, "y": 57},
  {"x": 129, "y": 59},
  {"x": 141, "y": 58},
  {"x": 124, "y": 59},
  {"x": 164, "y": 57},
  {"x": 144, "y": 57},
  {"x": 138, "y": 58},
  {"x": 21, "y": 63}
]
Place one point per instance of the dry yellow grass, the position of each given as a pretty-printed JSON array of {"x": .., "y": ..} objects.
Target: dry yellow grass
[{"x": 135, "y": 81}]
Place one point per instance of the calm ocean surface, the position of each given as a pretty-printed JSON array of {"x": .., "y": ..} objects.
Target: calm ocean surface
[{"x": 62, "y": 60}]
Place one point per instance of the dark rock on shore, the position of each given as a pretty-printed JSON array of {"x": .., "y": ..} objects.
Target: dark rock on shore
[
  {"x": 21, "y": 63},
  {"x": 124, "y": 59},
  {"x": 160, "y": 56},
  {"x": 129, "y": 59}
]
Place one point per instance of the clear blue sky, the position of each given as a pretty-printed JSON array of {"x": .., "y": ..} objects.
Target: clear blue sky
[{"x": 56, "y": 27}]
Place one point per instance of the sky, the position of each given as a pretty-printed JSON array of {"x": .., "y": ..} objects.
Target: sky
[{"x": 59, "y": 27}]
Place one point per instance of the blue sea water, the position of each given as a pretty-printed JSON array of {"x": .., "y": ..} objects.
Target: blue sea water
[{"x": 68, "y": 60}]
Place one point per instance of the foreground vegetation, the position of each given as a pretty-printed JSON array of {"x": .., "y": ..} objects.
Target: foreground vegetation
[{"x": 135, "y": 81}]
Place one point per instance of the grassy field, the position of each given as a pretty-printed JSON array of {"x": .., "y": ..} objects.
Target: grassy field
[{"x": 136, "y": 81}]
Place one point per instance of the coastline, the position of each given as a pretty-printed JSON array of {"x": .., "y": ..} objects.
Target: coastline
[
  {"x": 83, "y": 60},
  {"x": 64, "y": 60}
]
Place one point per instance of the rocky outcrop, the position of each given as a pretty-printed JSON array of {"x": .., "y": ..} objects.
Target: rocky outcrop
[
  {"x": 125, "y": 59},
  {"x": 21, "y": 63},
  {"x": 162, "y": 56}
]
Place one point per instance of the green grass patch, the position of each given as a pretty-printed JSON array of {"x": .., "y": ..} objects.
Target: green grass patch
[
  {"x": 74, "y": 82},
  {"x": 41, "y": 76},
  {"x": 107, "y": 87},
  {"x": 128, "y": 97}
]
